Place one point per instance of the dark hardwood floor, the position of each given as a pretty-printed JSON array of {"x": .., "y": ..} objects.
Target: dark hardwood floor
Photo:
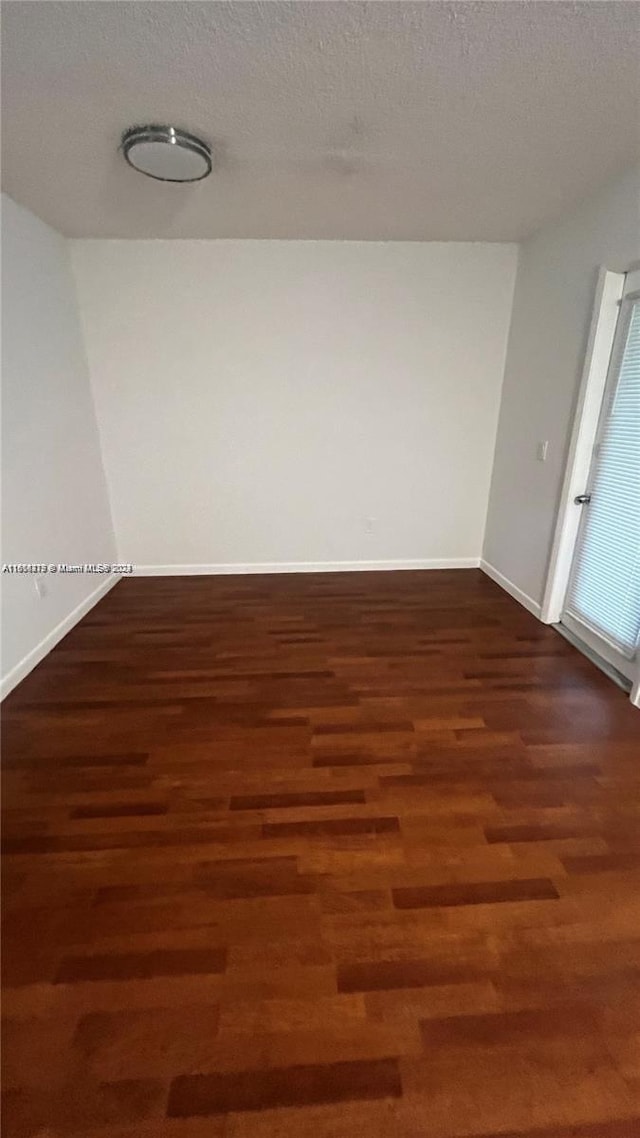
[{"x": 320, "y": 857}]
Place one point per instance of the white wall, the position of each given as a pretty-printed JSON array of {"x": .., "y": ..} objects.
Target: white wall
[
  {"x": 54, "y": 499},
  {"x": 258, "y": 401},
  {"x": 555, "y": 288}
]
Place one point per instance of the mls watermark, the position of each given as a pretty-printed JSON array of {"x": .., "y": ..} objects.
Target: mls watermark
[{"x": 51, "y": 567}]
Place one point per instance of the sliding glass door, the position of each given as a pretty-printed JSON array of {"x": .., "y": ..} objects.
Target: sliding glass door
[{"x": 602, "y": 606}]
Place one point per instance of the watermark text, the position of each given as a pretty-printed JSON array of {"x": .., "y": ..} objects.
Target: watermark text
[{"x": 52, "y": 567}]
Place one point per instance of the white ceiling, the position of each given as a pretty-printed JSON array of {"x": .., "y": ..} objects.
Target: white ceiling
[{"x": 376, "y": 120}]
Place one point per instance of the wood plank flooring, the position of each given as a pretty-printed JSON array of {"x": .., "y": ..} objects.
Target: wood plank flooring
[{"x": 320, "y": 857}]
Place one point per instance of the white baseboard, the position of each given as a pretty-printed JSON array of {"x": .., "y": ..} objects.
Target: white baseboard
[
  {"x": 303, "y": 567},
  {"x": 28, "y": 662},
  {"x": 513, "y": 590}
]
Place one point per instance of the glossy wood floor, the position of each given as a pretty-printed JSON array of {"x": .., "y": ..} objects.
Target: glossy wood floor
[{"x": 320, "y": 857}]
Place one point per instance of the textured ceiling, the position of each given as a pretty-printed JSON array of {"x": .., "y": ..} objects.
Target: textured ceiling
[{"x": 464, "y": 121}]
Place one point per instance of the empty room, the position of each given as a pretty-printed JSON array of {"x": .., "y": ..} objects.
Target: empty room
[{"x": 320, "y": 569}]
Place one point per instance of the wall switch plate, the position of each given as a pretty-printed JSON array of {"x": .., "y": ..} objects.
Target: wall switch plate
[{"x": 541, "y": 451}]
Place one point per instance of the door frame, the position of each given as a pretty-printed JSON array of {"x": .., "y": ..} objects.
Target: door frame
[{"x": 606, "y": 309}]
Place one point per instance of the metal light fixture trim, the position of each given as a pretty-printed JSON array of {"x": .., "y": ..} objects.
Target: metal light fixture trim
[{"x": 166, "y": 136}]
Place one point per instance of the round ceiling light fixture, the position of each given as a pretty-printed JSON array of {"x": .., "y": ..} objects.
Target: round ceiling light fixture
[{"x": 166, "y": 153}]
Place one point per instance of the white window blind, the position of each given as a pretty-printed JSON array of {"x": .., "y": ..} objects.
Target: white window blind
[{"x": 604, "y": 592}]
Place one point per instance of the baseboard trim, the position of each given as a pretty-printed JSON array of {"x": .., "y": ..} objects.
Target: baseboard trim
[
  {"x": 518, "y": 595},
  {"x": 29, "y": 662},
  {"x": 303, "y": 567}
]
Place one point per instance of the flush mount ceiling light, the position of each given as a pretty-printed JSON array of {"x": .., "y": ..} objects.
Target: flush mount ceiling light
[{"x": 166, "y": 153}]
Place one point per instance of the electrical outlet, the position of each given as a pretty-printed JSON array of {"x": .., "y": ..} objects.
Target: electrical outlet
[
  {"x": 541, "y": 451},
  {"x": 40, "y": 587},
  {"x": 369, "y": 525}
]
